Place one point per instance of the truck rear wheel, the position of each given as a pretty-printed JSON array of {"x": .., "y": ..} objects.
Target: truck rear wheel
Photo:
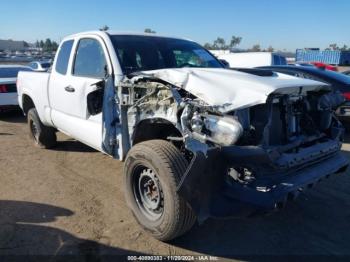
[
  {"x": 43, "y": 136},
  {"x": 152, "y": 172}
]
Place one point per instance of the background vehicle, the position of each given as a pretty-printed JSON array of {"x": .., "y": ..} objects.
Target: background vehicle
[
  {"x": 324, "y": 66},
  {"x": 253, "y": 59},
  {"x": 198, "y": 140},
  {"x": 339, "y": 82},
  {"x": 346, "y": 73},
  {"x": 302, "y": 64},
  {"x": 8, "y": 89},
  {"x": 40, "y": 66}
]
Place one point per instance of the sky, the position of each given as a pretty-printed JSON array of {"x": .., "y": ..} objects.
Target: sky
[{"x": 283, "y": 24}]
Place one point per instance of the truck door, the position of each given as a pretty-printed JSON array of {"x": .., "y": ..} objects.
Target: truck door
[{"x": 76, "y": 96}]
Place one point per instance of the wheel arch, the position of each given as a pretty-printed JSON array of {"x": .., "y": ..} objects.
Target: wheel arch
[
  {"x": 27, "y": 103},
  {"x": 155, "y": 128}
]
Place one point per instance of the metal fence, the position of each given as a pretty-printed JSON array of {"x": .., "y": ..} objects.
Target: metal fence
[{"x": 333, "y": 57}]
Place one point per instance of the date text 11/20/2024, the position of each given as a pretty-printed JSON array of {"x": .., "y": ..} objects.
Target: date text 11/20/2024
[{"x": 173, "y": 258}]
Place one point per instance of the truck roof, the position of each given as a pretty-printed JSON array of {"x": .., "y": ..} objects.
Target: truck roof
[{"x": 107, "y": 33}]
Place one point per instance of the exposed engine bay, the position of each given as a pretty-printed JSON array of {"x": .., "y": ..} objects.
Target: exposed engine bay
[{"x": 282, "y": 120}]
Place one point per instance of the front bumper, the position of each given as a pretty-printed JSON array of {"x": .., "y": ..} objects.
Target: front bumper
[
  {"x": 279, "y": 190},
  {"x": 279, "y": 176}
]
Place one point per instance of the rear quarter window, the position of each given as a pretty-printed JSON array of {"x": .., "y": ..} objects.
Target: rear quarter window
[{"x": 63, "y": 57}]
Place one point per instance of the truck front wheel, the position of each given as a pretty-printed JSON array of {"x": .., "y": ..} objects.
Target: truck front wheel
[
  {"x": 152, "y": 172},
  {"x": 43, "y": 136}
]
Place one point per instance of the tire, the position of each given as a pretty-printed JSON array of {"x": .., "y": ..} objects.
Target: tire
[
  {"x": 42, "y": 136},
  {"x": 168, "y": 215}
]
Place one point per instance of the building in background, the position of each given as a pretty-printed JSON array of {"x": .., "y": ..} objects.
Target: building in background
[
  {"x": 332, "y": 57},
  {"x": 10, "y": 45}
]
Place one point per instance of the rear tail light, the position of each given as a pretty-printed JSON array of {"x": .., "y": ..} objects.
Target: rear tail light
[
  {"x": 347, "y": 96},
  {"x": 3, "y": 89}
]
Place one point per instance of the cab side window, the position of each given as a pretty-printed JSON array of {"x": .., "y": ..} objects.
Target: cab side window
[
  {"x": 63, "y": 57},
  {"x": 90, "y": 60}
]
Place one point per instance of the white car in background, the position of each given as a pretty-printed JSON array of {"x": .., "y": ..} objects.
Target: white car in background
[
  {"x": 8, "y": 89},
  {"x": 40, "y": 66},
  {"x": 251, "y": 59}
]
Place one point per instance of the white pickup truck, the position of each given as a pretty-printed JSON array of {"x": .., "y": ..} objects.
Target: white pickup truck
[{"x": 198, "y": 140}]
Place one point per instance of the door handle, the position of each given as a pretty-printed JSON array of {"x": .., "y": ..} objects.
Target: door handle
[{"x": 69, "y": 89}]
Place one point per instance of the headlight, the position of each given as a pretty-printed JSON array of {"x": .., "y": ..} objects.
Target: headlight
[
  {"x": 196, "y": 123},
  {"x": 224, "y": 131}
]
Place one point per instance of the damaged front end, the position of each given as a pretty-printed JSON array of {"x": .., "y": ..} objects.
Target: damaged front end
[
  {"x": 286, "y": 145},
  {"x": 241, "y": 159}
]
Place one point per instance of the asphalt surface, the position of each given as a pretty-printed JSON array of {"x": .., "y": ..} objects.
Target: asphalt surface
[{"x": 70, "y": 201}]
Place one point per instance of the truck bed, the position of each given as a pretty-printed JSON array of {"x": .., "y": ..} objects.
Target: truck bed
[{"x": 34, "y": 84}]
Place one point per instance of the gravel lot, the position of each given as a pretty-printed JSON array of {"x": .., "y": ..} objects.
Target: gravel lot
[{"x": 70, "y": 201}]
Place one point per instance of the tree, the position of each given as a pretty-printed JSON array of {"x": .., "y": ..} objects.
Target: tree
[
  {"x": 235, "y": 41},
  {"x": 270, "y": 49},
  {"x": 54, "y": 46},
  {"x": 48, "y": 45},
  {"x": 220, "y": 43},
  {"x": 208, "y": 46},
  {"x": 333, "y": 47},
  {"x": 104, "y": 28},
  {"x": 256, "y": 48},
  {"x": 345, "y": 48},
  {"x": 150, "y": 31}
]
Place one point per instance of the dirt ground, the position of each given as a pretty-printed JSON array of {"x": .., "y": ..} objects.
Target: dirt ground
[{"x": 70, "y": 201}]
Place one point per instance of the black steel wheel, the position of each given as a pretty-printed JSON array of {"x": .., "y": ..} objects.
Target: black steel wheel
[
  {"x": 152, "y": 172},
  {"x": 148, "y": 192}
]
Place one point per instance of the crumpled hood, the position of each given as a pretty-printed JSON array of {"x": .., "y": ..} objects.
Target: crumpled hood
[{"x": 229, "y": 89}]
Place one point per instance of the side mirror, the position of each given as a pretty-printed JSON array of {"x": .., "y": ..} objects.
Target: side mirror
[{"x": 225, "y": 63}]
